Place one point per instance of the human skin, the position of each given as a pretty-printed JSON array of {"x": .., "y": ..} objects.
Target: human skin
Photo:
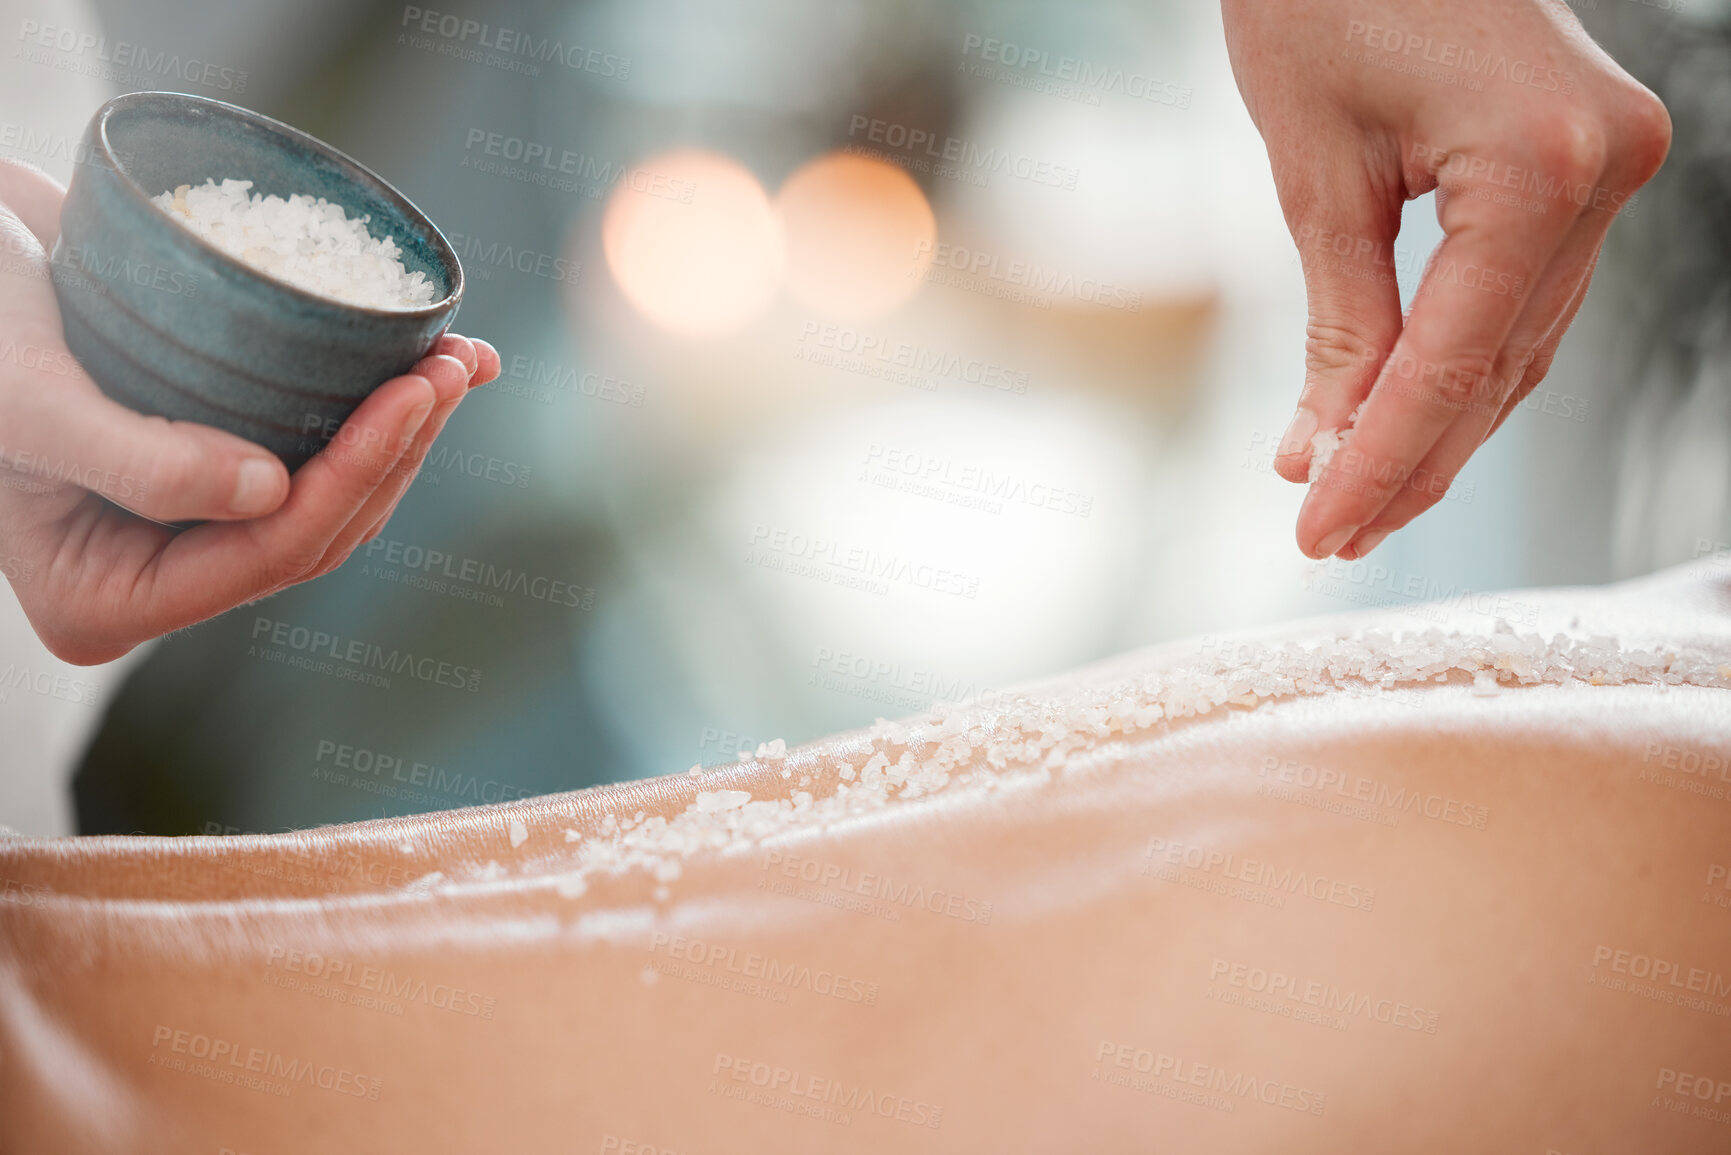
[
  {"x": 95, "y": 580},
  {"x": 1472, "y": 969},
  {"x": 1533, "y": 139}
]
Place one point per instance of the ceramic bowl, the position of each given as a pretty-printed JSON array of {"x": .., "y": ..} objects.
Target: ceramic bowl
[{"x": 170, "y": 325}]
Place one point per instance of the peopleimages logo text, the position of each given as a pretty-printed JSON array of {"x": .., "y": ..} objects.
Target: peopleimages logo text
[
  {"x": 359, "y": 655},
  {"x": 480, "y": 574},
  {"x": 1022, "y": 274},
  {"x": 511, "y": 42},
  {"x": 1084, "y": 74},
  {"x": 124, "y": 54}
]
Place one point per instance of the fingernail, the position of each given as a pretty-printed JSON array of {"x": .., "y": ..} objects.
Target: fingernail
[
  {"x": 255, "y": 487},
  {"x": 1371, "y": 541},
  {"x": 1299, "y": 433},
  {"x": 433, "y": 369},
  {"x": 1331, "y": 544}
]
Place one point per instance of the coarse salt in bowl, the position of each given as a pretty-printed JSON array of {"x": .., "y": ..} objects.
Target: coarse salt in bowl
[
  {"x": 308, "y": 242},
  {"x": 273, "y": 318}
]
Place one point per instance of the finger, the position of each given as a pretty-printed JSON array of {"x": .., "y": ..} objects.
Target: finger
[
  {"x": 489, "y": 369},
  {"x": 78, "y": 437},
  {"x": 34, "y": 196},
  {"x": 166, "y": 470},
  {"x": 459, "y": 347},
  {"x": 1445, "y": 356},
  {"x": 489, "y": 363},
  {"x": 214, "y": 567},
  {"x": 1547, "y": 350},
  {"x": 1345, "y": 235},
  {"x": 1543, "y": 319},
  {"x": 368, "y": 531},
  {"x": 435, "y": 427},
  {"x": 450, "y": 380}
]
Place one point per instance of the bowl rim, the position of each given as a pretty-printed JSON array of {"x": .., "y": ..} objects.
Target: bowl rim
[{"x": 382, "y": 186}]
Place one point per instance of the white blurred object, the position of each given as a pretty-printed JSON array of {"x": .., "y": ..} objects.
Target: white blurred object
[
  {"x": 994, "y": 535},
  {"x": 49, "y": 710},
  {"x": 43, "y": 112}
]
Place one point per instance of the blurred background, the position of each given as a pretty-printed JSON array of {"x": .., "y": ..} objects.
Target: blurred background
[{"x": 858, "y": 354}]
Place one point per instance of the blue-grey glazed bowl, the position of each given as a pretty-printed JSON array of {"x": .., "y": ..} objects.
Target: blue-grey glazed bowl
[{"x": 170, "y": 325}]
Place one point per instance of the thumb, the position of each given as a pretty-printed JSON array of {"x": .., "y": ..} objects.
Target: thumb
[
  {"x": 166, "y": 470},
  {"x": 1353, "y": 304}
]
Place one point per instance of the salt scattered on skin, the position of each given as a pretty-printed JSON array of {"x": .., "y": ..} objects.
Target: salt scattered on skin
[
  {"x": 426, "y": 883},
  {"x": 519, "y": 833},
  {"x": 988, "y": 747},
  {"x": 714, "y": 801},
  {"x": 308, "y": 242}
]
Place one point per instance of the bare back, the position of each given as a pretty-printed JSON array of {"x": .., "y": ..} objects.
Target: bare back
[{"x": 1433, "y": 896}]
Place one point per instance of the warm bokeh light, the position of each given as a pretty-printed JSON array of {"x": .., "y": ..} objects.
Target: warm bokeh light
[
  {"x": 859, "y": 235},
  {"x": 693, "y": 243}
]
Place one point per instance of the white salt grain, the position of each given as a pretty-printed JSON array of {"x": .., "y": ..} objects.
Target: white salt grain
[
  {"x": 982, "y": 746},
  {"x": 1327, "y": 443},
  {"x": 519, "y": 834},
  {"x": 308, "y": 242},
  {"x": 711, "y": 801},
  {"x": 1322, "y": 449}
]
